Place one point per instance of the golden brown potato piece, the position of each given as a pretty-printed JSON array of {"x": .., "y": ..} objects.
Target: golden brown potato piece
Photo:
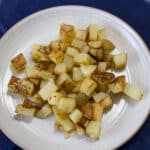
[
  {"x": 67, "y": 32},
  {"x": 88, "y": 86},
  {"x": 117, "y": 85},
  {"x": 78, "y": 43},
  {"x": 93, "y": 32},
  {"x": 81, "y": 99},
  {"x": 21, "y": 86},
  {"x": 18, "y": 62},
  {"x": 35, "y": 81},
  {"x": 87, "y": 111},
  {"x": 44, "y": 112},
  {"x": 97, "y": 112},
  {"x": 13, "y": 84},
  {"x": 25, "y": 111},
  {"x": 95, "y": 44},
  {"x": 106, "y": 103},
  {"x": 107, "y": 45},
  {"x": 56, "y": 56},
  {"x": 58, "y": 45}
]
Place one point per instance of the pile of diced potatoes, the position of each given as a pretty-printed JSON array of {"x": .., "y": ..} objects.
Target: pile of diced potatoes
[{"x": 71, "y": 78}]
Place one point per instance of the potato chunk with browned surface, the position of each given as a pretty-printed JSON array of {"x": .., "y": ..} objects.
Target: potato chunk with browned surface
[
  {"x": 18, "y": 62},
  {"x": 67, "y": 32}
]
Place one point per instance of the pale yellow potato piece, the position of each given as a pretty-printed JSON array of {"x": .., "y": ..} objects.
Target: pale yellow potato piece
[
  {"x": 60, "y": 68},
  {"x": 43, "y": 83},
  {"x": 62, "y": 78},
  {"x": 102, "y": 34},
  {"x": 25, "y": 111},
  {"x": 120, "y": 60},
  {"x": 78, "y": 43},
  {"x": 79, "y": 130},
  {"x": 82, "y": 59},
  {"x": 69, "y": 62},
  {"x": 98, "y": 97},
  {"x": 88, "y": 86},
  {"x": 65, "y": 123},
  {"x": 93, "y": 129},
  {"x": 76, "y": 115},
  {"x": 102, "y": 66},
  {"x": 85, "y": 49},
  {"x": 95, "y": 44},
  {"x": 93, "y": 32},
  {"x": 67, "y": 104},
  {"x": 48, "y": 89},
  {"x": 87, "y": 70},
  {"x": 55, "y": 98},
  {"x": 133, "y": 92},
  {"x": 77, "y": 74},
  {"x": 72, "y": 51},
  {"x": 81, "y": 35},
  {"x": 44, "y": 112}
]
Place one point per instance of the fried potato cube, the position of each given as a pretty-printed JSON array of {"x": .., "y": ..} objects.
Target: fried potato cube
[
  {"x": 81, "y": 99},
  {"x": 93, "y": 52},
  {"x": 87, "y": 70},
  {"x": 102, "y": 66},
  {"x": 48, "y": 89},
  {"x": 117, "y": 85},
  {"x": 38, "y": 55},
  {"x": 13, "y": 84},
  {"x": 107, "y": 45},
  {"x": 55, "y": 98},
  {"x": 35, "y": 81},
  {"x": 102, "y": 34},
  {"x": 98, "y": 97},
  {"x": 81, "y": 35},
  {"x": 95, "y": 44},
  {"x": 67, "y": 32},
  {"x": 56, "y": 56},
  {"x": 120, "y": 60},
  {"x": 93, "y": 32},
  {"x": 87, "y": 111},
  {"x": 97, "y": 112},
  {"x": 79, "y": 130},
  {"x": 43, "y": 83},
  {"x": 69, "y": 62},
  {"x": 58, "y": 45},
  {"x": 82, "y": 59},
  {"x": 62, "y": 78},
  {"x": 72, "y": 51},
  {"x": 60, "y": 68},
  {"x": 85, "y": 49},
  {"x": 65, "y": 123},
  {"x": 93, "y": 129},
  {"x": 18, "y": 62},
  {"x": 77, "y": 74},
  {"x": 25, "y": 111},
  {"x": 133, "y": 92},
  {"x": 88, "y": 86},
  {"x": 67, "y": 104},
  {"x": 78, "y": 43},
  {"x": 51, "y": 68},
  {"x": 44, "y": 112},
  {"x": 25, "y": 87},
  {"x": 38, "y": 100},
  {"x": 32, "y": 72},
  {"x": 107, "y": 103},
  {"x": 76, "y": 115}
]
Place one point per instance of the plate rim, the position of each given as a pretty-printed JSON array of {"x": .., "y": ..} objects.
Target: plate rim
[{"x": 128, "y": 27}]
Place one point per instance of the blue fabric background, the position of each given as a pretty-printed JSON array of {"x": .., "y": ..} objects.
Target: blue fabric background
[{"x": 134, "y": 12}]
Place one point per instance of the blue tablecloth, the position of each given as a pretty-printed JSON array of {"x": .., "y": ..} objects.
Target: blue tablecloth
[{"x": 134, "y": 12}]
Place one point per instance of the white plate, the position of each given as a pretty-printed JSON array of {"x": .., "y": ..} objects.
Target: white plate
[{"x": 118, "y": 125}]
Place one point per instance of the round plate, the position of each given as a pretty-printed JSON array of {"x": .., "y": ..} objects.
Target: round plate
[{"x": 118, "y": 125}]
